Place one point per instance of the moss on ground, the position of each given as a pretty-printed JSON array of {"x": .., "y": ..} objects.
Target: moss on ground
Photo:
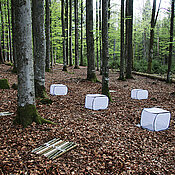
[
  {"x": 27, "y": 115},
  {"x": 4, "y": 84}
]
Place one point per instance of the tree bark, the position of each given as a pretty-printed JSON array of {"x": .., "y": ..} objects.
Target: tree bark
[
  {"x": 3, "y": 33},
  {"x": 63, "y": 36},
  {"x": 76, "y": 35},
  {"x": 9, "y": 28},
  {"x": 47, "y": 35},
  {"x": 13, "y": 36},
  {"x": 26, "y": 110},
  {"x": 39, "y": 47},
  {"x": 171, "y": 44},
  {"x": 81, "y": 49},
  {"x": 153, "y": 23},
  {"x": 100, "y": 34},
  {"x": 121, "y": 77},
  {"x": 105, "y": 54},
  {"x": 1, "y": 50},
  {"x": 70, "y": 33},
  {"x": 91, "y": 75},
  {"x": 67, "y": 33},
  {"x": 129, "y": 38},
  {"x": 97, "y": 35}
]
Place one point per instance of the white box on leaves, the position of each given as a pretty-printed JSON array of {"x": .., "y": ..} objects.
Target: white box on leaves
[
  {"x": 155, "y": 119},
  {"x": 58, "y": 89},
  {"x": 96, "y": 101},
  {"x": 139, "y": 94}
]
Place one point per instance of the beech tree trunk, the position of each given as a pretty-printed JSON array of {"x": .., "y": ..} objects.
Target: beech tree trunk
[
  {"x": 67, "y": 33},
  {"x": 76, "y": 35},
  {"x": 3, "y": 33},
  {"x": 1, "y": 50},
  {"x": 9, "y": 27},
  {"x": 26, "y": 110},
  {"x": 100, "y": 34},
  {"x": 105, "y": 54},
  {"x": 129, "y": 38},
  {"x": 47, "y": 35},
  {"x": 171, "y": 43},
  {"x": 91, "y": 75},
  {"x": 153, "y": 23},
  {"x": 63, "y": 36},
  {"x": 70, "y": 33},
  {"x": 39, "y": 47},
  {"x": 13, "y": 36},
  {"x": 81, "y": 49},
  {"x": 121, "y": 77},
  {"x": 97, "y": 35}
]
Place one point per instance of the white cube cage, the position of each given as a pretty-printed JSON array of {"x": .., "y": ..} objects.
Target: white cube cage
[
  {"x": 58, "y": 89},
  {"x": 155, "y": 119},
  {"x": 139, "y": 94},
  {"x": 96, "y": 101}
]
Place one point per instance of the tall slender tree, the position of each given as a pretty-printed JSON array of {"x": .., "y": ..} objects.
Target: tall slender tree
[
  {"x": 63, "y": 35},
  {"x": 81, "y": 48},
  {"x": 9, "y": 29},
  {"x": 3, "y": 33},
  {"x": 1, "y": 51},
  {"x": 39, "y": 47},
  {"x": 13, "y": 36},
  {"x": 97, "y": 35},
  {"x": 100, "y": 36},
  {"x": 105, "y": 54},
  {"x": 153, "y": 23},
  {"x": 91, "y": 75},
  {"x": 76, "y": 35},
  {"x": 47, "y": 35},
  {"x": 129, "y": 48},
  {"x": 26, "y": 110},
  {"x": 70, "y": 33},
  {"x": 66, "y": 30},
  {"x": 121, "y": 77},
  {"x": 171, "y": 43}
]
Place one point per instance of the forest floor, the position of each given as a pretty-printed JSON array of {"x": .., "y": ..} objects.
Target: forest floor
[{"x": 109, "y": 142}]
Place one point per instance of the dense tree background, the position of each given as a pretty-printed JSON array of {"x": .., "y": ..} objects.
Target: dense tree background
[{"x": 74, "y": 37}]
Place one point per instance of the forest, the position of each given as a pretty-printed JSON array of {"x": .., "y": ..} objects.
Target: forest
[{"x": 101, "y": 48}]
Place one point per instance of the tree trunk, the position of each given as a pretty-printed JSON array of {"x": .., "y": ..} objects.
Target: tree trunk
[
  {"x": 105, "y": 54},
  {"x": 171, "y": 43},
  {"x": 26, "y": 110},
  {"x": 9, "y": 26},
  {"x": 76, "y": 35},
  {"x": 70, "y": 33},
  {"x": 39, "y": 47},
  {"x": 13, "y": 36},
  {"x": 129, "y": 42},
  {"x": 121, "y": 77},
  {"x": 100, "y": 33},
  {"x": 1, "y": 55},
  {"x": 81, "y": 49},
  {"x": 3, "y": 33},
  {"x": 6, "y": 32},
  {"x": 47, "y": 35},
  {"x": 63, "y": 36},
  {"x": 153, "y": 23},
  {"x": 90, "y": 42},
  {"x": 67, "y": 33},
  {"x": 1, "y": 50},
  {"x": 97, "y": 13}
]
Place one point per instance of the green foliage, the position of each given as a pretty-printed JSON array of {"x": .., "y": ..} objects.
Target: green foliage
[
  {"x": 114, "y": 64},
  {"x": 157, "y": 66}
]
